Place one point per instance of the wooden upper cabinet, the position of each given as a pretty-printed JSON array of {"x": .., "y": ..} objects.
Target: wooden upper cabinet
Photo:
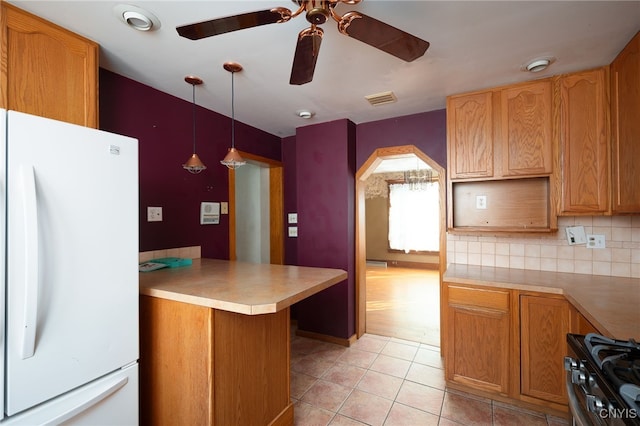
[
  {"x": 46, "y": 70},
  {"x": 625, "y": 126},
  {"x": 584, "y": 142},
  {"x": 470, "y": 135},
  {"x": 526, "y": 128},
  {"x": 501, "y": 133}
]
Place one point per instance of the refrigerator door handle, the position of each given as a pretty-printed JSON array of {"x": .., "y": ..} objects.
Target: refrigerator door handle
[
  {"x": 93, "y": 398},
  {"x": 30, "y": 217}
]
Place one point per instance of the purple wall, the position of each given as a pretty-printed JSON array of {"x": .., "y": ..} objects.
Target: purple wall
[
  {"x": 290, "y": 198},
  {"x": 325, "y": 171},
  {"x": 319, "y": 179},
  {"x": 163, "y": 126},
  {"x": 427, "y": 131},
  {"x": 326, "y": 161}
]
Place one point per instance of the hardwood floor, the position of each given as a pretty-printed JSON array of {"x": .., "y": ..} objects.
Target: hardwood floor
[{"x": 404, "y": 303}]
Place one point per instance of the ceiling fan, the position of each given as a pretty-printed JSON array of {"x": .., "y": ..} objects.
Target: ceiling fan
[{"x": 353, "y": 24}]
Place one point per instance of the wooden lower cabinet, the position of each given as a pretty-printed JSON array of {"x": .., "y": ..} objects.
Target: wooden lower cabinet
[
  {"x": 508, "y": 344},
  {"x": 478, "y": 330},
  {"x": 203, "y": 366},
  {"x": 544, "y": 324}
]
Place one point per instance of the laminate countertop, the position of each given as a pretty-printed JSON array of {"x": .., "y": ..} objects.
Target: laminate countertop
[
  {"x": 244, "y": 288},
  {"x": 611, "y": 304}
]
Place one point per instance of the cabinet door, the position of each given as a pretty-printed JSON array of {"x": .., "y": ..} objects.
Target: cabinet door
[
  {"x": 544, "y": 324},
  {"x": 580, "y": 324},
  {"x": 584, "y": 142},
  {"x": 47, "y": 70},
  {"x": 176, "y": 363},
  {"x": 478, "y": 331},
  {"x": 625, "y": 110},
  {"x": 470, "y": 135},
  {"x": 526, "y": 129}
]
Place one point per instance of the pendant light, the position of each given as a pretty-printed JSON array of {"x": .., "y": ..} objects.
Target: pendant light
[
  {"x": 194, "y": 165},
  {"x": 233, "y": 160}
]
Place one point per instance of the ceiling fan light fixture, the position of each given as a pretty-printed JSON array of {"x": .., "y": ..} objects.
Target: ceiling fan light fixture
[
  {"x": 537, "y": 65},
  {"x": 136, "y": 17}
]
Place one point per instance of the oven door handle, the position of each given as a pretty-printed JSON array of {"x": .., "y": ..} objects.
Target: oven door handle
[{"x": 577, "y": 411}]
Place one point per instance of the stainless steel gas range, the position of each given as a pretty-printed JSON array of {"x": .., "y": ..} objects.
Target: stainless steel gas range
[{"x": 603, "y": 380}]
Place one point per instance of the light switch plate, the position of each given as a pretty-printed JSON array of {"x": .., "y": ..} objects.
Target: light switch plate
[
  {"x": 576, "y": 235},
  {"x": 293, "y": 231},
  {"x": 292, "y": 218},
  {"x": 224, "y": 207}
]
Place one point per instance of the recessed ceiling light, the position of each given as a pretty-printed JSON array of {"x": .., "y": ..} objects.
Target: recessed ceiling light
[
  {"x": 537, "y": 65},
  {"x": 137, "y": 18},
  {"x": 305, "y": 114}
]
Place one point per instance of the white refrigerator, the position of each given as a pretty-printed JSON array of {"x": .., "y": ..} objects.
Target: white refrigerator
[{"x": 69, "y": 268}]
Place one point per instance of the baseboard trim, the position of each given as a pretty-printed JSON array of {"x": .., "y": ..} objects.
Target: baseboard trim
[
  {"x": 413, "y": 265},
  {"x": 285, "y": 418},
  {"x": 327, "y": 338}
]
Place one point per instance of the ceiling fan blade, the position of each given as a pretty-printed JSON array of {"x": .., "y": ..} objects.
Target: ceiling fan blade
[
  {"x": 234, "y": 23},
  {"x": 382, "y": 36},
  {"x": 304, "y": 61}
]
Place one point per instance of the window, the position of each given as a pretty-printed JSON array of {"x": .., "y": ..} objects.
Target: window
[{"x": 414, "y": 217}]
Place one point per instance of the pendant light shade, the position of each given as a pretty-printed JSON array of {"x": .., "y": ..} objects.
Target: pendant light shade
[
  {"x": 233, "y": 160},
  {"x": 194, "y": 164}
]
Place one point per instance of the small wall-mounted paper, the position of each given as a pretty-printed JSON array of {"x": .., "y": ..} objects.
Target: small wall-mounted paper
[
  {"x": 209, "y": 213},
  {"x": 576, "y": 235}
]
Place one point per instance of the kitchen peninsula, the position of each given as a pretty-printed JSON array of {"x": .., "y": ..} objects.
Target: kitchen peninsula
[{"x": 214, "y": 341}]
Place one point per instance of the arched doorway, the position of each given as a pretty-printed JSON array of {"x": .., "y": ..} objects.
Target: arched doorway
[{"x": 362, "y": 174}]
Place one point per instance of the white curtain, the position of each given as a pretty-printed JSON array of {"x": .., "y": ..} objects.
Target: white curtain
[{"x": 414, "y": 217}]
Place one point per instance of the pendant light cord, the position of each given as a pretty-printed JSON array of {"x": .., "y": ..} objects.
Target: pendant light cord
[
  {"x": 233, "y": 126},
  {"x": 193, "y": 111}
]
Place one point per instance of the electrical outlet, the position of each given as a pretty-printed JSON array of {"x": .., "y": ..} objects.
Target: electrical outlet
[
  {"x": 481, "y": 202},
  {"x": 154, "y": 214},
  {"x": 595, "y": 241}
]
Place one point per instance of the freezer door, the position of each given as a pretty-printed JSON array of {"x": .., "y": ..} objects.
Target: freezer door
[
  {"x": 3, "y": 200},
  {"x": 111, "y": 400},
  {"x": 72, "y": 268}
]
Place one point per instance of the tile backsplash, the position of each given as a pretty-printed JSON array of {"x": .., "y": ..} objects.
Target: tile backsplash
[
  {"x": 183, "y": 252},
  {"x": 619, "y": 258}
]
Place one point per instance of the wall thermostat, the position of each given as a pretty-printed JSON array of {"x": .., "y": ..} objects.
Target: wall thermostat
[{"x": 209, "y": 213}]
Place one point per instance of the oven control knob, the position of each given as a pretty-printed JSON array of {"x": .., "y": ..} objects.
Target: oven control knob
[
  {"x": 595, "y": 404},
  {"x": 570, "y": 363}
]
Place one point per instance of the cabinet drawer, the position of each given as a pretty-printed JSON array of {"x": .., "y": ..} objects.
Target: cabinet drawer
[{"x": 479, "y": 297}]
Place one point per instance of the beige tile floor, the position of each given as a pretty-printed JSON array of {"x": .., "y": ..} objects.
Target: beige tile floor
[{"x": 387, "y": 381}]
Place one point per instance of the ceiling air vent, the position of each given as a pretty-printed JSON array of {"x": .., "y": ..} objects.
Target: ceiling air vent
[{"x": 381, "y": 98}]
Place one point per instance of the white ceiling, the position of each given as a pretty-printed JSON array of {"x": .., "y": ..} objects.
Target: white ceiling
[{"x": 474, "y": 45}]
